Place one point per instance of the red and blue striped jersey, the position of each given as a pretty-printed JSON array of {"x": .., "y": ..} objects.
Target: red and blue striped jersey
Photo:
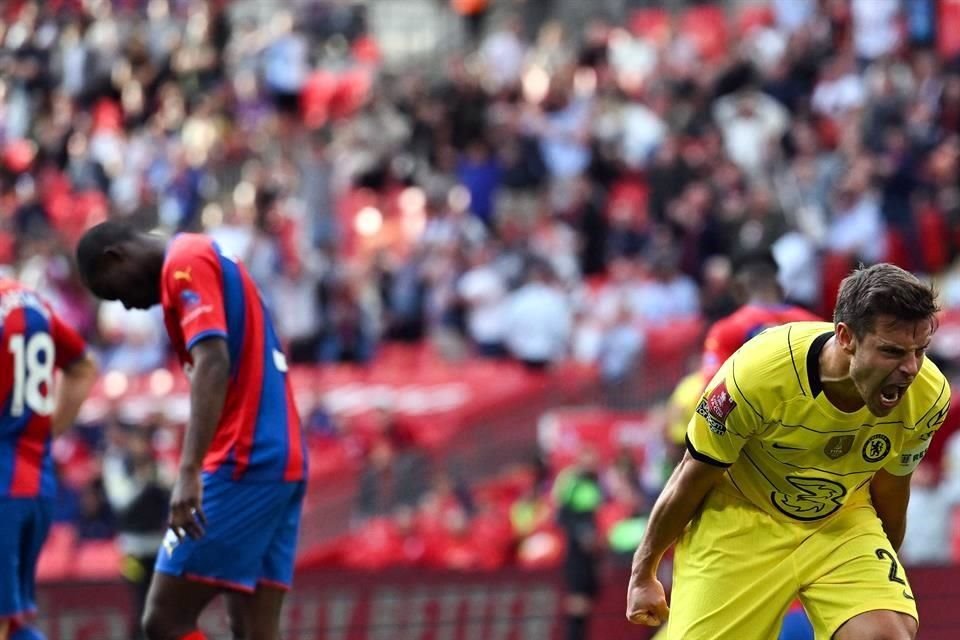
[
  {"x": 34, "y": 342},
  {"x": 205, "y": 294}
]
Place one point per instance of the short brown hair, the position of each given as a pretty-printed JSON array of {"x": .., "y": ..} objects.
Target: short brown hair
[{"x": 883, "y": 290}]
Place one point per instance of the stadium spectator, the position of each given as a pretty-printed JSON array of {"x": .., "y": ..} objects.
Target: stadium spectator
[
  {"x": 538, "y": 319},
  {"x": 578, "y": 495},
  {"x": 138, "y": 493}
]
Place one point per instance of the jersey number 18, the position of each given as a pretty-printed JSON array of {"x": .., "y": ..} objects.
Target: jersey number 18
[{"x": 32, "y": 373}]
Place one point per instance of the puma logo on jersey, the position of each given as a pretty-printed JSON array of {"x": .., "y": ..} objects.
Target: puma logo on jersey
[{"x": 185, "y": 275}]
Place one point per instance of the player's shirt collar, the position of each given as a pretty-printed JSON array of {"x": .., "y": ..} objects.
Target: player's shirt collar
[
  {"x": 813, "y": 363},
  {"x": 816, "y": 386}
]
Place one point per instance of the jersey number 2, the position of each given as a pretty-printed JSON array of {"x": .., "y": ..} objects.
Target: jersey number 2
[
  {"x": 883, "y": 554},
  {"x": 32, "y": 374}
]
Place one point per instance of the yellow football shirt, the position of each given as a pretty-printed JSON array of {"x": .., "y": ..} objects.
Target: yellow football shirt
[{"x": 788, "y": 450}]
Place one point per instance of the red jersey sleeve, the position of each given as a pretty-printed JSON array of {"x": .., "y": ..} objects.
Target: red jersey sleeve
[
  {"x": 193, "y": 294},
  {"x": 70, "y": 345},
  {"x": 721, "y": 342}
]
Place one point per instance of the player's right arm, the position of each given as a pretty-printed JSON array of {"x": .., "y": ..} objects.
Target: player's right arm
[
  {"x": 676, "y": 506},
  {"x": 208, "y": 392},
  {"x": 722, "y": 423},
  {"x": 194, "y": 297}
]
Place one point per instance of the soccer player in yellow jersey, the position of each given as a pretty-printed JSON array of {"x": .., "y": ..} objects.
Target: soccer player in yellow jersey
[{"x": 796, "y": 477}]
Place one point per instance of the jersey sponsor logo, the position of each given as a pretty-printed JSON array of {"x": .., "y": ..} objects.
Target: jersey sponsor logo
[
  {"x": 716, "y": 407},
  {"x": 908, "y": 458},
  {"x": 196, "y": 312},
  {"x": 838, "y": 446},
  {"x": 190, "y": 298},
  {"x": 185, "y": 274},
  {"x": 876, "y": 448},
  {"x": 816, "y": 498}
]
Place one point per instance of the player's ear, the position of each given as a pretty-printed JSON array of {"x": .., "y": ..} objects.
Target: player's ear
[
  {"x": 113, "y": 254},
  {"x": 846, "y": 338}
]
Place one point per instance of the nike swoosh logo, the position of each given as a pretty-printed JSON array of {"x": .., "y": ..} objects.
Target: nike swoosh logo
[
  {"x": 777, "y": 445},
  {"x": 908, "y": 596}
]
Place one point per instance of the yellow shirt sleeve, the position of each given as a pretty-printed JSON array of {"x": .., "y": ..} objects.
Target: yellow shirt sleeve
[
  {"x": 725, "y": 418},
  {"x": 915, "y": 447}
]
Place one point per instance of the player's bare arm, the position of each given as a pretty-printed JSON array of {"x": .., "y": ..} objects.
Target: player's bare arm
[
  {"x": 75, "y": 385},
  {"x": 208, "y": 390},
  {"x": 676, "y": 506},
  {"x": 890, "y": 495}
]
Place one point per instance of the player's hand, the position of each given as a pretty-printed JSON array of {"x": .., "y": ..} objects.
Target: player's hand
[
  {"x": 186, "y": 514},
  {"x": 647, "y": 602}
]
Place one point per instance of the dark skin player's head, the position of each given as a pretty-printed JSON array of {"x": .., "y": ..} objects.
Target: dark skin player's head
[{"x": 117, "y": 262}]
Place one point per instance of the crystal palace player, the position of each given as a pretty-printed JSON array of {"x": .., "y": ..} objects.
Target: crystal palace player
[
  {"x": 755, "y": 276},
  {"x": 34, "y": 344},
  {"x": 235, "y": 508},
  {"x": 797, "y": 475}
]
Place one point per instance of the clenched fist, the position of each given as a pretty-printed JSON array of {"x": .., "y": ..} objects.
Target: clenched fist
[{"x": 646, "y": 602}]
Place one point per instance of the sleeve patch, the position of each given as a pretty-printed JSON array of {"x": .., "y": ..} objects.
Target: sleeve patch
[{"x": 715, "y": 408}]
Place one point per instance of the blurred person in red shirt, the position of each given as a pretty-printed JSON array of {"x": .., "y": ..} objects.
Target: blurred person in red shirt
[{"x": 756, "y": 278}]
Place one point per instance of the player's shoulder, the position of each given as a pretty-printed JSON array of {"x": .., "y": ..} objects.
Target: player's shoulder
[
  {"x": 930, "y": 389},
  {"x": 16, "y": 295},
  {"x": 184, "y": 251},
  {"x": 770, "y": 364},
  {"x": 189, "y": 245},
  {"x": 779, "y": 345}
]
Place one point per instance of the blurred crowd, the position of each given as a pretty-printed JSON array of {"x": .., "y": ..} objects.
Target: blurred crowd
[{"x": 546, "y": 193}]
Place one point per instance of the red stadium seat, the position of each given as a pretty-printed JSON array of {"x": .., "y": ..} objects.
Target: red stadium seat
[
  {"x": 754, "y": 16},
  {"x": 706, "y": 26},
  {"x": 96, "y": 560},
  {"x": 56, "y": 559},
  {"x": 897, "y": 251},
  {"x": 955, "y": 535},
  {"x": 541, "y": 550},
  {"x": 934, "y": 239},
  {"x": 651, "y": 24},
  {"x": 835, "y": 267}
]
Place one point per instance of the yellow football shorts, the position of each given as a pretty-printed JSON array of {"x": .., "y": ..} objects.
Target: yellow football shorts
[{"x": 737, "y": 569}]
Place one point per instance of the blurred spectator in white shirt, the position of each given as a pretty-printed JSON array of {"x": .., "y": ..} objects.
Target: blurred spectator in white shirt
[
  {"x": 840, "y": 89},
  {"x": 876, "y": 27},
  {"x": 538, "y": 319},
  {"x": 668, "y": 294},
  {"x": 752, "y": 123},
  {"x": 483, "y": 290},
  {"x": 791, "y": 15},
  {"x": 857, "y": 225},
  {"x": 502, "y": 54}
]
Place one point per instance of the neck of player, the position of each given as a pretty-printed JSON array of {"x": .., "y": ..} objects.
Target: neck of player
[{"x": 835, "y": 377}]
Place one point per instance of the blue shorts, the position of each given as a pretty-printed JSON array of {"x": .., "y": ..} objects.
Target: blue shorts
[
  {"x": 250, "y": 539},
  {"x": 24, "y": 525}
]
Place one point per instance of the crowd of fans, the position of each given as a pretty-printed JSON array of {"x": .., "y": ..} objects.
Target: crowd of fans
[{"x": 546, "y": 194}]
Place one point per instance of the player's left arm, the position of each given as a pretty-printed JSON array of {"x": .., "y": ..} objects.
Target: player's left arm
[
  {"x": 78, "y": 375},
  {"x": 74, "y": 387},
  {"x": 890, "y": 487},
  {"x": 890, "y": 496}
]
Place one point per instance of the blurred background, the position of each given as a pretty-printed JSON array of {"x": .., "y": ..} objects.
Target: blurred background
[{"x": 492, "y": 234}]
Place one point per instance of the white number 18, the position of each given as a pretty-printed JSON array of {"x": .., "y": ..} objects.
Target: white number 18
[{"x": 32, "y": 374}]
